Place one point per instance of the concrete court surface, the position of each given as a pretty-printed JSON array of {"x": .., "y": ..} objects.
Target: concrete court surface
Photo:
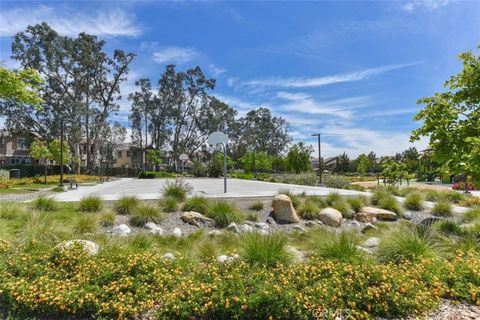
[{"x": 151, "y": 189}]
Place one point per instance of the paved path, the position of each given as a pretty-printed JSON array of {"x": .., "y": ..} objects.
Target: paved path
[{"x": 151, "y": 189}]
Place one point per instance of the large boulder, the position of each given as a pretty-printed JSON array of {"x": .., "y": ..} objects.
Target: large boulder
[
  {"x": 367, "y": 214},
  {"x": 196, "y": 219},
  {"x": 153, "y": 228},
  {"x": 283, "y": 209},
  {"x": 330, "y": 217},
  {"x": 89, "y": 247}
]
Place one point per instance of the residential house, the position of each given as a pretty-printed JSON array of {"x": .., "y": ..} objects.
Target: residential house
[{"x": 14, "y": 149}]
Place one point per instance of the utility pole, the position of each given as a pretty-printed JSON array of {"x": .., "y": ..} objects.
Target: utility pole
[{"x": 320, "y": 164}]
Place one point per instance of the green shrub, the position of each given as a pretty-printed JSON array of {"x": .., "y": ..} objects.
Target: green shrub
[
  {"x": 308, "y": 210},
  {"x": 107, "y": 219},
  {"x": 85, "y": 223},
  {"x": 357, "y": 203},
  {"x": 199, "y": 169},
  {"x": 405, "y": 192},
  {"x": 390, "y": 203},
  {"x": 377, "y": 196},
  {"x": 414, "y": 202},
  {"x": 333, "y": 198},
  {"x": 126, "y": 205},
  {"x": 90, "y": 204},
  {"x": 295, "y": 199},
  {"x": 155, "y": 174},
  {"x": 177, "y": 189},
  {"x": 471, "y": 215},
  {"x": 449, "y": 227},
  {"x": 224, "y": 213},
  {"x": 304, "y": 179},
  {"x": 268, "y": 250},
  {"x": 10, "y": 210},
  {"x": 44, "y": 204},
  {"x": 452, "y": 196},
  {"x": 39, "y": 226},
  {"x": 330, "y": 245},
  {"x": 405, "y": 243},
  {"x": 144, "y": 214},
  {"x": 198, "y": 204},
  {"x": 251, "y": 216},
  {"x": 442, "y": 209},
  {"x": 357, "y": 187},
  {"x": 256, "y": 206},
  {"x": 319, "y": 201},
  {"x": 169, "y": 204},
  {"x": 432, "y": 195},
  {"x": 344, "y": 208},
  {"x": 337, "y": 182}
]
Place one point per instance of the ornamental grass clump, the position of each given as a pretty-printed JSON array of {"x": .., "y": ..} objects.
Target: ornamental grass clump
[
  {"x": 198, "y": 204},
  {"x": 256, "y": 206},
  {"x": 405, "y": 244},
  {"x": 414, "y": 202},
  {"x": 308, "y": 210},
  {"x": 90, "y": 203},
  {"x": 126, "y": 205},
  {"x": 144, "y": 214},
  {"x": 389, "y": 202},
  {"x": 169, "y": 204},
  {"x": 44, "y": 204},
  {"x": 85, "y": 223},
  {"x": 266, "y": 250},
  {"x": 177, "y": 189},
  {"x": 224, "y": 213},
  {"x": 336, "y": 246},
  {"x": 357, "y": 203},
  {"x": 442, "y": 209},
  {"x": 10, "y": 210}
]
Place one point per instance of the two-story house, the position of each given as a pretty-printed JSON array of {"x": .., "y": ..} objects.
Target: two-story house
[{"x": 14, "y": 149}]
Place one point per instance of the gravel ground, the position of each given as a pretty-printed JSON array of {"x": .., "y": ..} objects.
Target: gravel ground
[
  {"x": 449, "y": 310},
  {"x": 22, "y": 197}
]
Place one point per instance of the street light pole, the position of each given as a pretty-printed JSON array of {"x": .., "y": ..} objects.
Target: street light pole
[
  {"x": 61, "y": 152},
  {"x": 320, "y": 165}
]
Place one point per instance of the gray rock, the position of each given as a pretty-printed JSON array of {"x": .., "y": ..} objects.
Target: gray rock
[
  {"x": 271, "y": 221},
  {"x": 365, "y": 250},
  {"x": 297, "y": 255},
  {"x": 261, "y": 225},
  {"x": 250, "y": 223},
  {"x": 177, "y": 232},
  {"x": 168, "y": 256},
  {"x": 233, "y": 227},
  {"x": 263, "y": 232},
  {"x": 246, "y": 228},
  {"x": 371, "y": 242},
  {"x": 299, "y": 228},
  {"x": 121, "y": 230},
  {"x": 330, "y": 217},
  {"x": 310, "y": 223},
  {"x": 154, "y": 228},
  {"x": 224, "y": 259},
  {"x": 215, "y": 233},
  {"x": 368, "y": 227},
  {"x": 408, "y": 215},
  {"x": 88, "y": 246},
  {"x": 355, "y": 223},
  {"x": 196, "y": 219}
]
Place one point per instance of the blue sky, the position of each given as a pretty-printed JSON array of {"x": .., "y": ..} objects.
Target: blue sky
[{"x": 350, "y": 70}]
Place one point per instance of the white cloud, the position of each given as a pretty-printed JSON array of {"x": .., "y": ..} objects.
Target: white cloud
[
  {"x": 430, "y": 5},
  {"x": 304, "y": 82},
  {"x": 216, "y": 71},
  {"x": 174, "y": 55},
  {"x": 66, "y": 21}
]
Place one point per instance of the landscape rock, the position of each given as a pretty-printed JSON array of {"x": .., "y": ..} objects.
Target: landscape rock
[
  {"x": 355, "y": 223},
  {"x": 168, "y": 256},
  {"x": 368, "y": 227},
  {"x": 310, "y": 223},
  {"x": 371, "y": 242},
  {"x": 153, "y": 228},
  {"x": 283, "y": 209},
  {"x": 263, "y": 232},
  {"x": 196, "y": 219},
  {"x": 271, "y": 221},
  {"x": 298, "y": 256},
  {"x": 299, "y": 228},
  {"x": 380, "y": 214},
  {"x": 224, "y": 259},
  {"x": 215, "y": 233},
  {"x": 330, "y": 217},
  {"x": 408, "y": 215},
  {"x": 246, "y": 228},
  {"x": 233, "y": 227},
  {"x": 91, "y": 248},
  {"x": 365, "y": 250},
  {"x": 261, "y": 225},
  {"x": 249, "y": 223},
  {"x": 177, "y": 232},
  {"x": 121, "y": 230}
]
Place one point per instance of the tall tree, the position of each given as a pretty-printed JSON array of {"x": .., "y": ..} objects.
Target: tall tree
[
  {"x": 20, "y": 86},
  {"x": 343, "y": 163},
  {"x": 298, "y": 158}
]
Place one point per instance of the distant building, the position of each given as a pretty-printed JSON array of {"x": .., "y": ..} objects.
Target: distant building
[
  {"x": 328, "y": 164},
  {"x": 14, "y": 149}
]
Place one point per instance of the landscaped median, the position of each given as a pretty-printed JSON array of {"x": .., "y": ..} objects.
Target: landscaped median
[{"x": 56, "y": 282}]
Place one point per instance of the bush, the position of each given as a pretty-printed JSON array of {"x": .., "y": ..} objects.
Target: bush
[
  {"x": 330, "y": 245},
  {"x": 471, "y": 201},
  {"x": 107, "y": 219},
  {"x": 405, "y": 243},
  {"x": 155, "y": 174},
  {"x": 337, "y": 182},
  {"x": 414, "y": 202},
  {"x": 268, "y": 250},
  {"x": 144, "y": 214},
  {"x": 390, "y": 203},
  {"x": 224, "y": 213},
  {"x": 199, "y": 170},
  {"x": 198, "y": 204},
  {"x": 304, "y": 179},
  {"x": 90, "y": 204},
  {"x": 44, "y": 204},
  {"x": 357, "y": 203},
  {"x": 442, "y": 209},
  {"x": 309, "y": 210},
  {"x": 464, "y": 186},
  {"x": 295, "y": 199},
  {"x": 177, "y": 189},
  {"x": 126, "y": 205},
  {"x": 85, "y": 223},
  {"x": 357, "y": 187},
  {"x": 169, "y": 204},
  {"x": 256, "y": 206}
]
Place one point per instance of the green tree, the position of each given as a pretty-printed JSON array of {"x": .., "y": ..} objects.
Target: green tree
[
  {"x": 450, "y": 119},
  {"x": 20, "y": 86},
  {"x": 343, "y": 163},
  {"x": 395, "y": 171},
  {"x": 362, "y": 166},
  {"x": 55, "y": 152},
  {"x": 39, "y": 150},
  {"x": 298, "y": 158},
  {"x": 263, "y": 162},
  {"x": 215, "y": 167},
  {"x": 154, "y": 157}
]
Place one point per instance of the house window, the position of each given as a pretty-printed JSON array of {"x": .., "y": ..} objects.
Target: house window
[
  {"x": 22, "y": 144},
  {"x": 129, "y": 154},
  {"x": 119, "y": 154},
  {"x": 20, "y": 161}
]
